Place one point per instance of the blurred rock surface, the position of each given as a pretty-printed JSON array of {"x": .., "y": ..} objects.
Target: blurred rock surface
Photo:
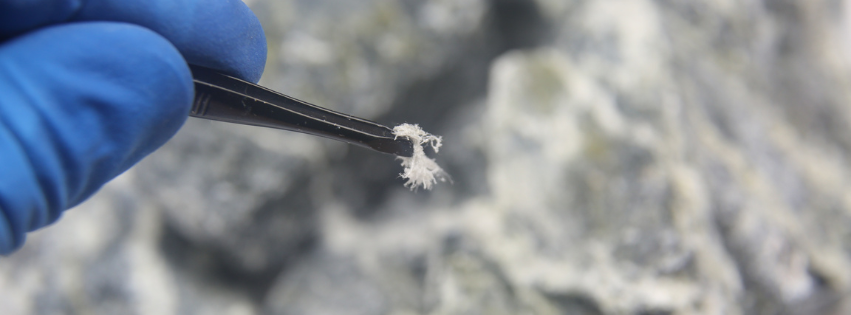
[{"x": 609, "y": 157}]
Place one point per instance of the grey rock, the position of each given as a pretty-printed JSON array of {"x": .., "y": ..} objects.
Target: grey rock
[{"x": 323, "y": 284}]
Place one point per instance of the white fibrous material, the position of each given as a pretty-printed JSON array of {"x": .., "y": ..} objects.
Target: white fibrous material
[{"x": 420, "y": 170}]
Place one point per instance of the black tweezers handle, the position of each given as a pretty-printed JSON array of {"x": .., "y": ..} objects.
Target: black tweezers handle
[{"x": 225, "y": 98}]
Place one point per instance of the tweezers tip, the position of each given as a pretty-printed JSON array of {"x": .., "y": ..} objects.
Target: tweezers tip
[{"x": 400, "y": 146}]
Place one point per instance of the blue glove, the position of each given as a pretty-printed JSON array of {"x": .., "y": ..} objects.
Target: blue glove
[{"x": 89, "y": 87}]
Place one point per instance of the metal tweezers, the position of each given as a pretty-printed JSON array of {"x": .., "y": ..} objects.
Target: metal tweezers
[{"x": 225, "y": 98}]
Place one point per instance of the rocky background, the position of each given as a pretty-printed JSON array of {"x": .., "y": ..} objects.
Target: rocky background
[{"x": 609, "y": 157}]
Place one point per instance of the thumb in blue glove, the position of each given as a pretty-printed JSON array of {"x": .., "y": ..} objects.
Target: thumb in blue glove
[{"x": 82, "y": 100}]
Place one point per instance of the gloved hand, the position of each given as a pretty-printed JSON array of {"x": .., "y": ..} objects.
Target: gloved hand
[{"x": 89, "y": 87}]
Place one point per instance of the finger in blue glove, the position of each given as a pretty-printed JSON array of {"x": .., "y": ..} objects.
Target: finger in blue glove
[
  {"x": 219, "y": 34},
  {"x": 78, "y": 106},
  {"x": 82, "y": 101}
]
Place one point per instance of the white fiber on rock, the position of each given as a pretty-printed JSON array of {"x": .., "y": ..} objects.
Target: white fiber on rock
[{"x": 420, "y": 170}]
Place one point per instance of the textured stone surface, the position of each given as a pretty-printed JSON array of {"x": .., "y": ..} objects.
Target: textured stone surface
[{"x": 609, "y": 157}]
